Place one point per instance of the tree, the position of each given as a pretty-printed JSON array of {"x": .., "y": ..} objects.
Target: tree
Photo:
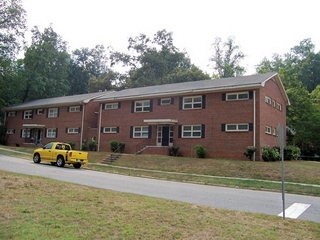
[
  {"x": 12, "y": 28},
  {"x": 155, "y": 61},
  {"x": 226, "y": 59},
  {"x": 91, "y": 71},
  {"x": 46, "y": 65}
]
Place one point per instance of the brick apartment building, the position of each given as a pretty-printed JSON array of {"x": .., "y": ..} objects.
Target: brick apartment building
[
  {"x": 224, "y": 115},
  {"x": 71, "y": 119}
]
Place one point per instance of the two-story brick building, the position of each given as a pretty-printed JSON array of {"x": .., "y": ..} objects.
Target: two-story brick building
[
  {"x": 223, "y": 115},
  {"x": 71, "y": 119}
]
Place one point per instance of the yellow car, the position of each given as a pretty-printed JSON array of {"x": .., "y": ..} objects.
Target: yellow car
[{"x": 58, "y": 153}]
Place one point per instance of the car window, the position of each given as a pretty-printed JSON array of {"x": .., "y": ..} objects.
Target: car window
[{"x": 48, "y": 146}]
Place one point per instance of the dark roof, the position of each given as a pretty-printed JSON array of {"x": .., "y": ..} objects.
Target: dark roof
[
  {"x": 234, "y": 83},
  {"x": 57, "y": 101}
]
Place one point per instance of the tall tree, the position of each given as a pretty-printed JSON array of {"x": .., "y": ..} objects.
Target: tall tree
[
  {"x": 300, "y": 71},
  {"x": 154, "y": 61},
  {"x": 46, "y": 65},
  {"x": 91, "y": 71},
  {"x": 226, "y": 59},
  {"x": 12, "y": 28}
]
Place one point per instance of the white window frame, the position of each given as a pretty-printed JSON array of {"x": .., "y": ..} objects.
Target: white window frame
[
  {"x": 26, "y": 133},
  {"x": 191, "y": 131},
  {"x": 40, "y": 111},
  {"x": 53, "y": 112},
  {"x": 75, "y": 108},
  {"x": 142, "y": 106},
  {"x": 110, "y": 130},
  {"x": 10, "y": 131},
  {"x": 73, "y": 130},
  {"x": 140, "y": 132},
  {"x": 165, "y": 101},
  {"x": 27, "y": 114},
  {"x": 109, "y": 106},
  {"x": 268, "y": 130},
  {"x": 237, "y": 96},
  {"x": 237, "y": 127},
  {"x": 279, "y": 107},
  {"x": 193, "y": 102},
  {"x": 51, "y": 133},
  {"x": 12, "y": 114},
  {"x": 268, "y": 100}
]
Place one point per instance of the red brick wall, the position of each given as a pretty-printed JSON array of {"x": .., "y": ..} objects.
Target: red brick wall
[
  {"x": 217, "y": 112},
  {"x": 270, "y": 115},
  {"x": 64, "y": 120}
]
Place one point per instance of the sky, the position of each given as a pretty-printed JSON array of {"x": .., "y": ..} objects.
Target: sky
[{"x": 260, "y": 27}]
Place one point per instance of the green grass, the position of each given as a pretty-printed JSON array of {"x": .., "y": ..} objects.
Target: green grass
[
  {"x": 221, "y": 172},
  {"x": 39, "y": 208}
]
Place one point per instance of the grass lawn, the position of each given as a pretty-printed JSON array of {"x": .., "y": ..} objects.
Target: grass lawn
[
  {"x": 233, "y": 173},
  {"x": 39, "y": 208}
]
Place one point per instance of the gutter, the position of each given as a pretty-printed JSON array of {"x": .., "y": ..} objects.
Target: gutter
[{"x": 82, "y": 125}]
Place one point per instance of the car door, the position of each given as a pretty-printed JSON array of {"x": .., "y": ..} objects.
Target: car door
[{"x": 47, "y": 152}]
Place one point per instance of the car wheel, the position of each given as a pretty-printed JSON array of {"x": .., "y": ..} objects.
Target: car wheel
[
  {"x": 60, "y": 162},
  {"x": 36, "y": 158},
  {"x": 77, "y": 165}
]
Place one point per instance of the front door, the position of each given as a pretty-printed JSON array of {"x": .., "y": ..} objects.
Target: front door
[{"x": 165, "y": 136}]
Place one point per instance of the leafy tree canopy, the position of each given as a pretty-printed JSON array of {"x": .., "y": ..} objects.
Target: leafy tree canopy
[
  {"x": 46, "y": 64},
  {"x": 156, "y": 60},
  {"x": 226, "y": 59}
]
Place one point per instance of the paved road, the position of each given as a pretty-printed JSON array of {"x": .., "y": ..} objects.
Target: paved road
[{"x": 218, "y": 197}]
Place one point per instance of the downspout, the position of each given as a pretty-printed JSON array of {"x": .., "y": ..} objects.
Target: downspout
[
  {"x": 99, "y": 127},
  {"x": 82, "y": 125},
  {"x": 254, "y": 123}
]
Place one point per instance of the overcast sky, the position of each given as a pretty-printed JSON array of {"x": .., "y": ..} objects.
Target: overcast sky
[{"x": 259, "y": 27}]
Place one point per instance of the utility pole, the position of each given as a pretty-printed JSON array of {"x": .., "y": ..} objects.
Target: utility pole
[{"x": 281, "y": 138}]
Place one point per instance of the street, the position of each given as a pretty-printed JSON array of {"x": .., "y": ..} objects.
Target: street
[{"x": 298, "y": 206}]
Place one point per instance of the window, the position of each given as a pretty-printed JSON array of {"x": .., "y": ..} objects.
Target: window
[
  {"x": 192, "y": 131},
  {"x": 237, "y": 127},
  {"x": 279, "y": 106},
  {"x": 194, "y": 102},
  {"x": 141, "y": 132},
  {"x": 110, "y": 130},
  {"x": 74, "y": 109},
  {"x": 11, "y": 114},
  {"x": 40, "y": 111},
  {"x": 142, "y": 106},
  {"x": 52, "y": 112},
  {"x": 51, "y": 133},
  {"x": 165, "y": 101},
  {"x": 25, "y": 133},
  {"x": 237, "y": 96},
  {"x": 111, "y": 106},
  {"x": 73, "y": 130},
  {"x": 268, "y": 100},
  {"x": 10, "y": 131},
  {"x": 27, "y": 114},
  {"x": 268, "y": 130}
]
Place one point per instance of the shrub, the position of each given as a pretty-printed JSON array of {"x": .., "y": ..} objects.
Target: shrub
[
  {"x": 174, "y": 151},
  {"x": 250, "y": 150},
  {"x": 292, "y": 153},
  {"x": 116, "y": 146},
  {"x": 92, "y": 145},
  {"x": 200, "y": 151},
  {"x": 270, "y": 154}
]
